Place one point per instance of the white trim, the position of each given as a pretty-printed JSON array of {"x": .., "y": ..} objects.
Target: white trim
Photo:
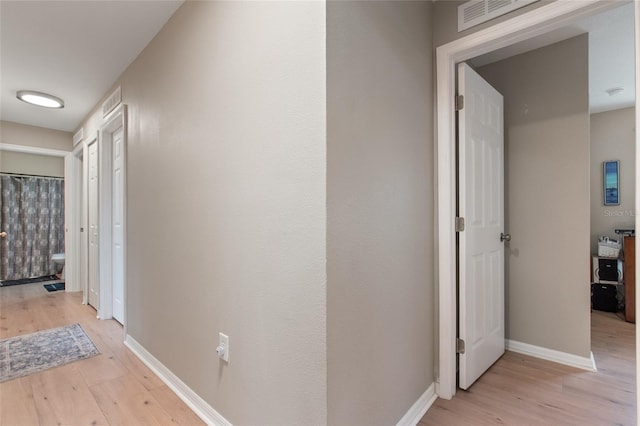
[
  {"x": 84, "y": 217},
  {"x": 33, "y": 150},
  {"x": 419, "y": 408},
  {"x": 565, "y": 358},
  {"x": 514, "y": 30},
  {"x": 637, "y": 220},
  {"x": 199, "y": 406}
]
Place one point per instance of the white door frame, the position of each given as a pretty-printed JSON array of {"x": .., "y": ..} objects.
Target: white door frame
[
  {"x": 83, "y": 221},
  {"x": 33, "y": 150},
  {"x": 531, "y": 24},
  {"x": 637, "y": 140},
  {"x": 117, "y": 118}
]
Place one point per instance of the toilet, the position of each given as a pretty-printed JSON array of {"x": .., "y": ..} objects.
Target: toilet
[{"x": 58, "y": 259}]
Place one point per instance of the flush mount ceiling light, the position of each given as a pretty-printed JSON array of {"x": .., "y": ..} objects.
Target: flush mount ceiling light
[
  {"x": 40, "y": 99},
  {"x": 614, "y": 90}
]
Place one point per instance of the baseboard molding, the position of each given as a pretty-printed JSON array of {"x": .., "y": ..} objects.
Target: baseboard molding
[
  {"x": 199, "y": 406},
  {"x": 572, "y": 360},
  {"x": 419, "y": 408}
]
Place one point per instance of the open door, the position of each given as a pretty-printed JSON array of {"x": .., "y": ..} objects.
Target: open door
[{"x": 481, "y": 205}]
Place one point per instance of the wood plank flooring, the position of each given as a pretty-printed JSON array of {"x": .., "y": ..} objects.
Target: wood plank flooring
[
  {"x": 113, "y": 388},
  {"x": 521, "y": 390}
]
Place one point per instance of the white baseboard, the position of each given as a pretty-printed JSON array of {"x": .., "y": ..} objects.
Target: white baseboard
[
  {"x": 199, "y": 406},
  {"x": 572, "y": 360},
  {"x": 419, "y": 408}
]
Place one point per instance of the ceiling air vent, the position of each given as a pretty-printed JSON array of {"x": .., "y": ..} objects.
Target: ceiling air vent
[
  {"x": 112, "y": 101},
  {"x": 476, "y": 12},
  {"x": 78, "y": 136}
]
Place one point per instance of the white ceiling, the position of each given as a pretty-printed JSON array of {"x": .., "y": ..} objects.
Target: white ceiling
[
  {"x": 71, "y": 49},
  {"x": 77, "y": 49},
  {"x": 611, "y": 55}
]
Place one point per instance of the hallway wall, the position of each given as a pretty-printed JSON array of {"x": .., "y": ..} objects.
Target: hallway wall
[
  {"x": 612, "y": 138},
  {"x": 39, "y": 137},
  {"x": 380, "y": 209},
  {"x": 31, "y": 164},
  {"x": 226, "y": 174}
]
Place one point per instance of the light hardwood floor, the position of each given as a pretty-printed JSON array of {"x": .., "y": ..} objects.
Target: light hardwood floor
[
  {"x": 113, "y": 388},
  {"x": 521, "y": 390}
]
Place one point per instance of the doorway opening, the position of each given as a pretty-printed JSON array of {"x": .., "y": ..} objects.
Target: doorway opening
[
  {"x": 75, "y": 244},
  {"x": 524, "y": 27},
  {"x": 99, "y": 182}
]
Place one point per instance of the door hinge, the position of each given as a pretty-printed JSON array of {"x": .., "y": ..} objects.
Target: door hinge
[
  {"x": 459, "y": 102},
  {"x": 459, "y": 346},
  {"x": 459, "y": 224}
]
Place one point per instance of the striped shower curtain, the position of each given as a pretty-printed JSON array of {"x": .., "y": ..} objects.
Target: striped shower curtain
[{"x": 32, "y": 215}]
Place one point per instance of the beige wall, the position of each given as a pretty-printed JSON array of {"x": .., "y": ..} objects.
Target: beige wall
[
  {"x": 445, "y": 26},
  {"x": 226, "y": 205},
  {"x": 380, "y": 209},
  {"x": 31, "y": 164},
  {"x": 612, "y": 138},
  {"x": 22, "y": 134},
  {"x": 547, "y": 194}
]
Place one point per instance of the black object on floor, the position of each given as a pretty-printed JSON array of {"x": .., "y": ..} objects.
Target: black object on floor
[
  {"x": 604, "y": 297},
  {"x": 54, "y": 287},
  {"x": 7, "y": 283}
]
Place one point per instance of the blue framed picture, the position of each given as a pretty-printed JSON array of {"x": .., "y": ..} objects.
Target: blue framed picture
[{"x": 611, "y": 183}]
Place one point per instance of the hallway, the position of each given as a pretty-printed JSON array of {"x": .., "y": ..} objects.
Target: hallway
[
  {"x": 116, "y": 388},
  {"x": 113, "y": 388}
]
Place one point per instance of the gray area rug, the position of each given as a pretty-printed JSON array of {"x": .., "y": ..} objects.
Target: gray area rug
[{"x": 31, "y": 353}]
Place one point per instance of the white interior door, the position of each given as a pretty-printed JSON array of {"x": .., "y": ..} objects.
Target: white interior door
[
  {"x": 117, "y": 214},
  {"x": 93, "y": 207},
  {"x": 112, "y": 215},
  {"x": 481, "y": 204}
]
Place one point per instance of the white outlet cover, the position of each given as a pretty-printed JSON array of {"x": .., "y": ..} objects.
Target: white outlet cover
[{"x": 223, "y": 340}]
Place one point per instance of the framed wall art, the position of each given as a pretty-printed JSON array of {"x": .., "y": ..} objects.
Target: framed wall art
[{"x": 611, "y": 183}]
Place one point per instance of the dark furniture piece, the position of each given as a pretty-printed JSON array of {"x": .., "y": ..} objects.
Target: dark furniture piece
[{"x": 629, "y": 250}]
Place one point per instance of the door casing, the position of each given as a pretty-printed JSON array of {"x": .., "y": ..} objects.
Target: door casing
[{"x": 536, "y": 22}]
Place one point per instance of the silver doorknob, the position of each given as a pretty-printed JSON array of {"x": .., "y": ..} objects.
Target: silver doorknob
[
  {"x": 3, "y": 234},
  {"x": 505, "y": 237}
]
